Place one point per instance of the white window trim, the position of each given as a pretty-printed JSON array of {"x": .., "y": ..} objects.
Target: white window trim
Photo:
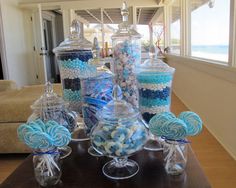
[
  {"x": 185, "y": 43},
  {"x": 222, "y": 71}
]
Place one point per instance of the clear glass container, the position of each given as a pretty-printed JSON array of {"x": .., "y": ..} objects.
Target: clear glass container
[
  {"x": 120, "y": 133},
  {"x": 72, "y": 57},
  {"x": 175, "y": 157},
  {"x": 126, "y": 44},
  {"x": 52, "y": 107},
  {"x": 154, "y": 80},
  {"x": 47, "y": 167}
]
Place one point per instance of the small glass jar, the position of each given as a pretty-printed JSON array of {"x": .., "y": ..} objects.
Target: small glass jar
[
  {"x": 47, "y": 168},
  {"x": 52, "y": 107},
  {"x": 126, "y": 44},
  {"x": 120, "y": 133},
  {"x": 175, "y": 156},
  {"x": 72, "y": 56}
]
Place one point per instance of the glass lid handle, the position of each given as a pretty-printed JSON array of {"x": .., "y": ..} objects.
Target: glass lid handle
[
  {"x": 116, "y": 92},
  {"x": 96, "y": 48},
  {"x": 48, "y": 87},
  {"x": 75, "y": 28},
  {"x": 124, "y": 12},
  {"x": 152, "y": 52}
]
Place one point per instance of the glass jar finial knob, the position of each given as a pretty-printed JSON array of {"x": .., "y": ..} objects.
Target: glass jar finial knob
[
  {"x": 96, "y": 48},
  {"x": 152, "y": 52},
  {"x": 75, "y": 28},
  {"x": 116, "y": 93},
  {"x": 48, "y": 87},
  {"x": 124, "y": 12}
]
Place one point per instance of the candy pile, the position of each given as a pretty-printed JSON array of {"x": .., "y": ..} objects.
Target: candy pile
[
  {"x": 72, "y": 67},
  {"x": 154, "y": 93},
  {"x": 167, "y": 125},
  {"x": 119, "y": 140},
  {"x": 96, "y": 92},
  {"x": 126, "y": 56},
  {"x": 38, "y": 135}
]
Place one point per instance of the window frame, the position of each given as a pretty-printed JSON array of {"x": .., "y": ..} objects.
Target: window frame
[{"x": 185, "y": 37}]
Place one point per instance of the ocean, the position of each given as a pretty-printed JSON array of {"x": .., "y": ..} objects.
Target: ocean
[{"x": 214, "y": 52}]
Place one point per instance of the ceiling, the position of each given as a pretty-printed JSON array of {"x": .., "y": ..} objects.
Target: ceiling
[{"x": 144, "y": 15}]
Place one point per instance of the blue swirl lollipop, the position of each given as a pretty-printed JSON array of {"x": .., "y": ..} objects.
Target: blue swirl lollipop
[
  {"x": 193, "y": 122},
  {"x": 38, "y": 125},
  {"x": 59, "y": 134},
  {"x": 22, "y": 130},
  {"x": 158, "y": 121},
  {"x": 174, "y": 129}
]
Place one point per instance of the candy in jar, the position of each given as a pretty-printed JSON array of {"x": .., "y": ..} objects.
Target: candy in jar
[{"x": 127, "y": 54}]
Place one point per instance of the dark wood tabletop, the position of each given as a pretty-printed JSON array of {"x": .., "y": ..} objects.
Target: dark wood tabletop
[{"x": 80, "y": 170}]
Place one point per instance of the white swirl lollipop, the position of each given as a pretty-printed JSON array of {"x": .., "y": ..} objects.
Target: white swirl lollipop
[
  {"x": 174, "y": 129},
  {"x": 193, "y": 122},
  {"x": 158, "y": 121}
]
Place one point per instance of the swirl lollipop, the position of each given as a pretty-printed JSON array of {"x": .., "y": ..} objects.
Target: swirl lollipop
[
  {"x": 174, "y": 129},
  {"x": 193, "y": 122},
  {"x": 59, "y": 134},
  {"x": 158, "y": 121},
  {"x": 39, "y": 140}
]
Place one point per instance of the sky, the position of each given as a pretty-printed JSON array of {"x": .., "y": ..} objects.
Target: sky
[{"x": 209, "y": 26}]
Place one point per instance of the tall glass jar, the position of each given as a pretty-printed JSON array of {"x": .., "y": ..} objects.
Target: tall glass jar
[
  {"x": 127, "y": 54},
  {"x": 120, "y": 133},
  {"x": 154, "y": 80},
  {"x": 175, "y": 156},
  {"x": 47, "y": 168},
  {"x": 72, "y": 57}
]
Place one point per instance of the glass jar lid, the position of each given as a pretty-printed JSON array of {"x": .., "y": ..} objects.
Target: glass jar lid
[
  {"x": 153, "y": 64},
  {"x": 75, "y": 41},
  {"x": 124, "y": 29},
  {"x": 49, "y": 100},
  {"x": 118, "y": 110},
  {"x": 97, "y": 61}
]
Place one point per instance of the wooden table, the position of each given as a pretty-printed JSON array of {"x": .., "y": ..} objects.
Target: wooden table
[{"x": 80, "y": 170}]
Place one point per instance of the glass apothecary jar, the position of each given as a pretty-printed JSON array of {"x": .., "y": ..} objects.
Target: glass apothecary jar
[
  {"x": 52, "y": 107},
  {"x": 175, "y": 156},
  {"x": 72, "y": 57},
  {"x": 120, "y": 133},
  {"x": 126, "y": 44},
  {"x": 47, "y": 167},
  {"x": 154, "y": 78},
  {"x": 96, "y": 93}
]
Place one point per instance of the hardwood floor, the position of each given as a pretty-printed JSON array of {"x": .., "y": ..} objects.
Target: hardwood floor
[{"x": 218, "y": 165}]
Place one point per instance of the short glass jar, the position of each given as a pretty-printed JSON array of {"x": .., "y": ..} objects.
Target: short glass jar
[
  {"x": 47, "y": 168},
  {"x": 175, "y": 156},
  {"x": 120, "y": 133}
]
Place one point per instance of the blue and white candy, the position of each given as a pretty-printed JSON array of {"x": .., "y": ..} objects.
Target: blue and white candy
[{"x": 193, "y": 122}]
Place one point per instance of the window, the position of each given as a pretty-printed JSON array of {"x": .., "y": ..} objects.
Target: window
[
  {"x": 210, "y": 29},
  {"x": 175, "y": 27}
]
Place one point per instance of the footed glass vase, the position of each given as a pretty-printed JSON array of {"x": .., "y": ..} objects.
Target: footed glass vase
[
  {"x": 175, "y": 156},
  {"x": 47, "y": 168}
]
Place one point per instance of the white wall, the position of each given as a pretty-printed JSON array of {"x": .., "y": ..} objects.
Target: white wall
[
  {"x": 18, "y": 37},
  {"x": 212, "y": 97}
]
